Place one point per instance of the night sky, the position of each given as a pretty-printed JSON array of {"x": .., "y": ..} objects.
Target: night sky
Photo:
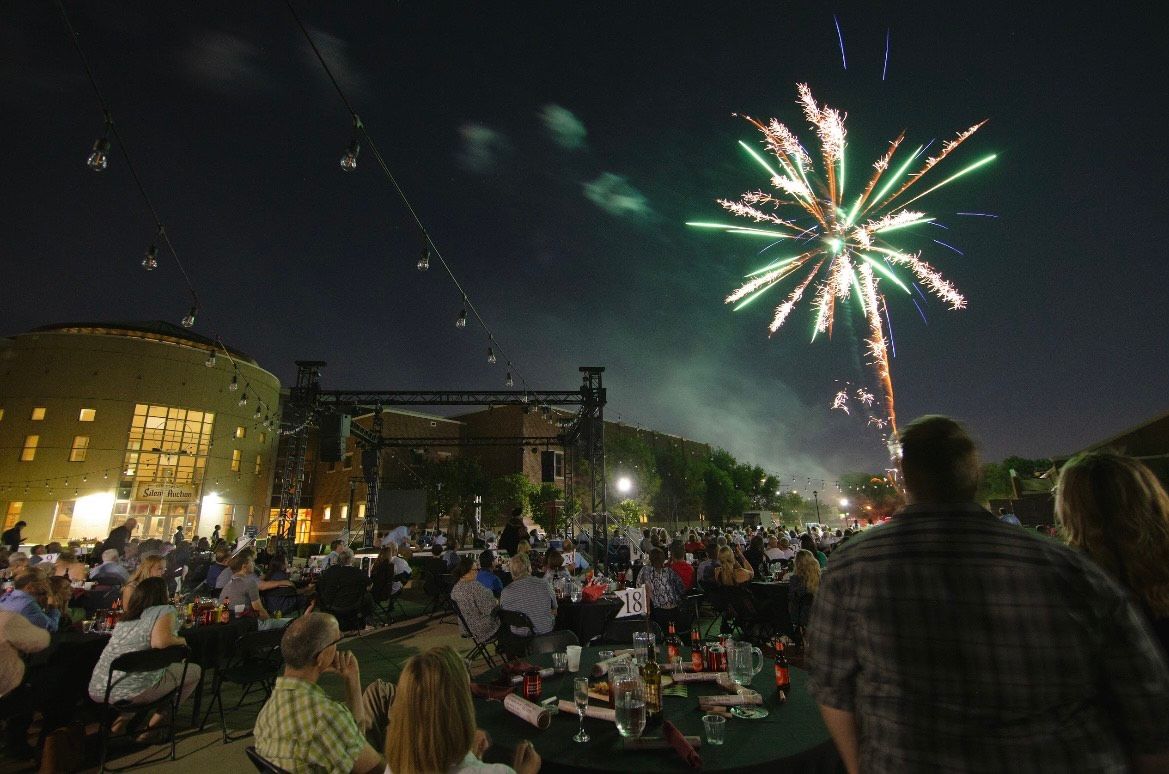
[{"x": 554, "y": 151}]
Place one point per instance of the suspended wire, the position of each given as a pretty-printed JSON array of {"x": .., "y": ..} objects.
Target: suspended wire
[
  {"x": 113, "y": 127},
  {"x": 360, "y": 126}
]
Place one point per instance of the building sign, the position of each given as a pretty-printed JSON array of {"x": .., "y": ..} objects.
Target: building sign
[{"x": 157, "y": 491}]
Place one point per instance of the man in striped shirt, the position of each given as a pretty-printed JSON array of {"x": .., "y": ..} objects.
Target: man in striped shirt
[
  {"x": 947, "y": 640},
  {"x": 528, "y": 594}
]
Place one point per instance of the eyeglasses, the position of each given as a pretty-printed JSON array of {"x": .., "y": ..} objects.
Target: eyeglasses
[{"x": 331, "y": 644}]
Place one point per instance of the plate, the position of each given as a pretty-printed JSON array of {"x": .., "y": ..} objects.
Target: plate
[{"x": 749, "y": 712}]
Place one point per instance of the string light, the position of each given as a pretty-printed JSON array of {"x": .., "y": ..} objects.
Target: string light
[
  {"x": 424, "y": 257},
  {"x": 189, "y": 320},
  {"x": 509, "y": 382},
  {"x": 150, "y": 262},
  {"x": 243, "y": 399},
  {"x": 490, "y": 355},
  {"x": 234, "y": 385},
  {"x": 461, "y": 320},
  {"x": 99, "y": 157},
  {"x": 210, "y": 361},
  {"x": 258, "y": 413},
  {"x": 349, "y": 158}
]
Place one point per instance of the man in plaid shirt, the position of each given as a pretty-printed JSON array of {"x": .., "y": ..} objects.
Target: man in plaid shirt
[{"x": 946, "y": 640}]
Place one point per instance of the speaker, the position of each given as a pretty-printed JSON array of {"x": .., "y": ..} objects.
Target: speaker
[{"x": 334, "y": 432}]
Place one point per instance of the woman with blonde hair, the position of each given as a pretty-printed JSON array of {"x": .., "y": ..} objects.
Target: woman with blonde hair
[
  {"x": 68, "y": 566},
  {"x": 150, "y": 567},
  {"x": 732, "y": 568},
  {"x": 801, "y": 591},
  {"x": 432, "y": 727},
  {"x": 1114, "y": 508}
]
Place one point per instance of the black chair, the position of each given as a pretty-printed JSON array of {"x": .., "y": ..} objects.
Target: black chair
[
  {"x": 433, "y": 584},
  {"x": 137, "y": 662},
  {"x": 715, "y": 596},
  {"x": 255, "y": 661},
  {"x": 746, "y": 616},
  {"x": 101, "y": 597},
  {"x": 284, "y": 600},
  {"x": 620, "y": 631},
  {"x": 262, "y": 764},
  {"x": 480, "y": 648},
  {"x": 384, "y": 608},
  {"x": 515, "y": 644},
  {"x": 552, "y": 643}
]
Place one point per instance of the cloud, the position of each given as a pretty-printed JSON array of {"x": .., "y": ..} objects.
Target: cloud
[
  {"x": 614, "y": 194},
  {"x": 482, "y": 148},
  {"x": 336, "y": 53},
  {"x": 565, "y": 128},
  {"x": 224, "y": 62}
]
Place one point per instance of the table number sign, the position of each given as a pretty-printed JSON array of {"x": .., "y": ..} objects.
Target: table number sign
[{"x": 633, "y": 602}]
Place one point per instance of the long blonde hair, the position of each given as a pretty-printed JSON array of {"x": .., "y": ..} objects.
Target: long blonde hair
[
  {"x": 432, "y": 726},
  {"x": 1113, "y": 507},
  {"x": 808, "y": 568},
  {"x": 145, "y": 567},
  {"x": 726, "y": 566}
]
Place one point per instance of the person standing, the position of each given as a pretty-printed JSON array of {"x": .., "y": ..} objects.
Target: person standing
[
  {"x": 178, "y": 536},
  {"x": 120, "y": 536},
  {"x": 12, "y": 537},
  {"x": 513, "y": 533},
  {"x": 215, "y": 536},
  {"x": 946, "y": 640}
]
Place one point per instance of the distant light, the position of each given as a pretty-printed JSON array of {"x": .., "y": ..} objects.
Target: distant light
[
  {"x": 99, "y": 157},
  {"x": 461, "y": 320},
  {"x": 189, "y": 320},
  {"x": 490, "y": 355},
  {"x": 150, "y": 262},
  {"x": 624, "y": 485},
  {"x": 349, "y": 158},
  {"x": 843, "y": 502}
]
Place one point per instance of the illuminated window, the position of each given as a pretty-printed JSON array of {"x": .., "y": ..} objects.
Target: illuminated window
[
  {"x": 29, "y": 452},
  {"x": 235, "y": 458},
  {"x": 259, "y": 464},
  {"x": 361, "y": 510},
  {"x": 80, "y": 448},
  {"x": 62, "y": 521},
  {"x": 263, "y": 436},
  {"x": 328, "y": 513},
  {"x": 1, "y": 414},
  {"x": 12, "y": 515},
  {"x": 344, "y": 512},
  {"x": 240, "y": 431},
  {"x": 38, "y": 413},
  {"x": 303, "y": 525},
  {"x": 168, "y": 444},
  {"x": 87, "y": 415}
]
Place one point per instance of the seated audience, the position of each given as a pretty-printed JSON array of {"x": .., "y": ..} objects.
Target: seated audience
[
  {"x": 803, "y": 584},
  {"x": 343, "y": 588},
  {"x": 754, "y": 555},
  {"x": 29, "y": 597},
  {"x": 148, "y": 622},
  {"x": 486, "y": 574},
  {"x": 779, "y": 549},
  {"x": 277, "y": 591},
  {"x": 680, "y": 566},
  {"x": 1114, "y": 508},
  {"x": 574, "y": 561},
  {"x": 68, "y": 566},
  {"x": 300, "y": 729},
  {"x": 241, "y": 593},
  {"x": 433, "y": 730},
  {"x": 530, "y": 595},
  {"x": 808, "y": 544},
  {"x": 554, "y": 566},
  {"x": 663, "y": 587},
  {"x": 450, "y": 556},
  {"x": 477, "y": 605},
  {"x": 389, "y": 572},
  {"x": 110, "y": 571}
]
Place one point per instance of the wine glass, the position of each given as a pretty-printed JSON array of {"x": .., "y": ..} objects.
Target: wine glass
[{"x": 580, "y": 692}]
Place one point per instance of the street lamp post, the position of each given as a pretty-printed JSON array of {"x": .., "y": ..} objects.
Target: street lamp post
[{"x": 816, "y": 498}]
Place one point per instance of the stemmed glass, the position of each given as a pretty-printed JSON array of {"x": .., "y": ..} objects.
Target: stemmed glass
[{"x": 580, "y": 692}]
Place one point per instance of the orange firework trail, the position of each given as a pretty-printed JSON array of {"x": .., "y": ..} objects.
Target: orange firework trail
[{"x": 846, "y": 253}]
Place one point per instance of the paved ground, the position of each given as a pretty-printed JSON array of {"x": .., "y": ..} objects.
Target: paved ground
[{"x": 380, "y": 653}]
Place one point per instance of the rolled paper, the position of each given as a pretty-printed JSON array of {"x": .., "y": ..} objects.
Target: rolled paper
[
  {"x": 600, "y": 713},
  {"x": 522, "y": 708},
  {"x": 546, "y": 672},
  {"x": 726, "y": 683},
  {"x": 601, "y": 668},
  {"x": 731, "y": 700},
  {"x": 697, "y": 677},
  {"x": 682, "y": 745}
]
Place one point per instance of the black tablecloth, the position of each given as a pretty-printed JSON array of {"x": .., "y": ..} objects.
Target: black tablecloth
[
  {"x": 792, "y": 738},
  {"x": 586, "y": 619},
  {"x": 210, "y": 644}
]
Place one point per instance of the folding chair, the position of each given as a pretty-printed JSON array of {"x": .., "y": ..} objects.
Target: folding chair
[
  {"x": 135, "y": 663},
  {"x": 256, "y": 660},
  {"x": 515, "y": 645},
  {"x": 262, "y": 764},
  {"x": 714, "y": 595},
  {"x": 384, "y": 608},
  {"x": 552, "y": 643},
  {"x": 480, "y": 648},
  {"x": 746, "y": 616}
]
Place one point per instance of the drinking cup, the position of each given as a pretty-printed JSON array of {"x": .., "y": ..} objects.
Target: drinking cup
[
  {"x": 560, "y": 662},
  {"x": 641, "y": 644},
  {"x": 573, "y": 654},
  {"x": 715, "y": 727}
]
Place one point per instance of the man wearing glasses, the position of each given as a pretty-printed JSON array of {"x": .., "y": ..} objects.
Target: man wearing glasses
[{"x": 300, "y": 729}]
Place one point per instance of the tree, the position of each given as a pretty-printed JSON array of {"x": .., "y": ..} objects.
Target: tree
[
  {"x": 721, "y": 500},
  {"x": 451, "y": 486},
  {"x": 630, "y": 512},
  {"x": 996, "y": 476},
  {"x": 680, "y": 495},
  {"x": 542, "y": 503},
  {"x": 505, "y": 493},
  {"x": 628, "y": 455}
]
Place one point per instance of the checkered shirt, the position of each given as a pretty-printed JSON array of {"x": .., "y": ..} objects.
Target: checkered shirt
[
  {"x": 965, "y": 644},
  {"x": 302, "y": 730}
]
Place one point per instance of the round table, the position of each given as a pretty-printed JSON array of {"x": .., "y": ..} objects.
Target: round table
[
  {"x": 586, "y": 619},
  {"x": 772, "y": 599},
  {"x": 792, "y": 738}
]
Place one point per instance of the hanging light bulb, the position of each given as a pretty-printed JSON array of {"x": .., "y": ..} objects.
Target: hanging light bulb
[
  {"x": 258, "y": 413},
  {"x": 106, "y": 475},
  {"x": 234, "y": 383},
  {"x": 490, "y": 355},
  {"x": 150, "y": 262},
  {"x": 509, "y": 381},
  {"x": 189, "y": 320},
  {"x": 99, "y": 157},
  {"x": 210, "y": 361},
  {"x": 424, "y": 258},
  {"x": 461, "y": 320},
  {"x": 243, "y": 399},
  {"x": 349, "y": 158}
]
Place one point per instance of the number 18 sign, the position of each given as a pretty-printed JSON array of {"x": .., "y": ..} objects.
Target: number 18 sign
[{"x": 633, "y": 602}]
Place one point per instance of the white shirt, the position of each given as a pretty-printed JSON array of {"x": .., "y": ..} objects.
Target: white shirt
[
  {"x": 440, "y": 540},
  {"x": 473, "y": 764}
]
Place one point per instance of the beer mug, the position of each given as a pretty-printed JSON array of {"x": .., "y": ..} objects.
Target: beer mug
[{"x": 743, "y": 662}]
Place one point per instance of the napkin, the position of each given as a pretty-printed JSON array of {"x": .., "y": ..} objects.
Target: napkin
[
  {"x": 680, "y": 745},
  {"x": 495, "y": 692},
  {"x": 592, "y": 592}
]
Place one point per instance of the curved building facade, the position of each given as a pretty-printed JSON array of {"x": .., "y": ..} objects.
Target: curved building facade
[{"x": 100, "y": 422}]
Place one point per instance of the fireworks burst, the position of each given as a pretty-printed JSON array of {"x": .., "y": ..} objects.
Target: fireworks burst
[{"x": 841, "y": 242}]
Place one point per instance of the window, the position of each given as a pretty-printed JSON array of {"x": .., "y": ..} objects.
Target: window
[
  {"x": 259, "y": 464},
  {"x": 235, "y": 459},
  {"x": 344, "y": 512},
  {"x": 87, "y": 415},
  {"x": 303, "y": 525},
  {"x": 12, "y": 515},
  {"x": 347, "y": 461},
  {"x": 263, "y": 436},
  {"x": 240, "y": 431},
  {"x": 167, "y": 443},
  {"x": 328, "y": 513},
  {"x": 62, "y": 521},
  {"x": 29, "y": 452},
  {"x": 551, "y": 466},
  {"x": 1, "y": 414},
  {"x": 80, "y": 448},
  {"x": 361, "y": 510},
  {"x": 38, "y": 413}
]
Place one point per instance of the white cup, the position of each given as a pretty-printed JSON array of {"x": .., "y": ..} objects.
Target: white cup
[
  {"x": 239, "y": 609},
  {"x": 573, "y": 657}
]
